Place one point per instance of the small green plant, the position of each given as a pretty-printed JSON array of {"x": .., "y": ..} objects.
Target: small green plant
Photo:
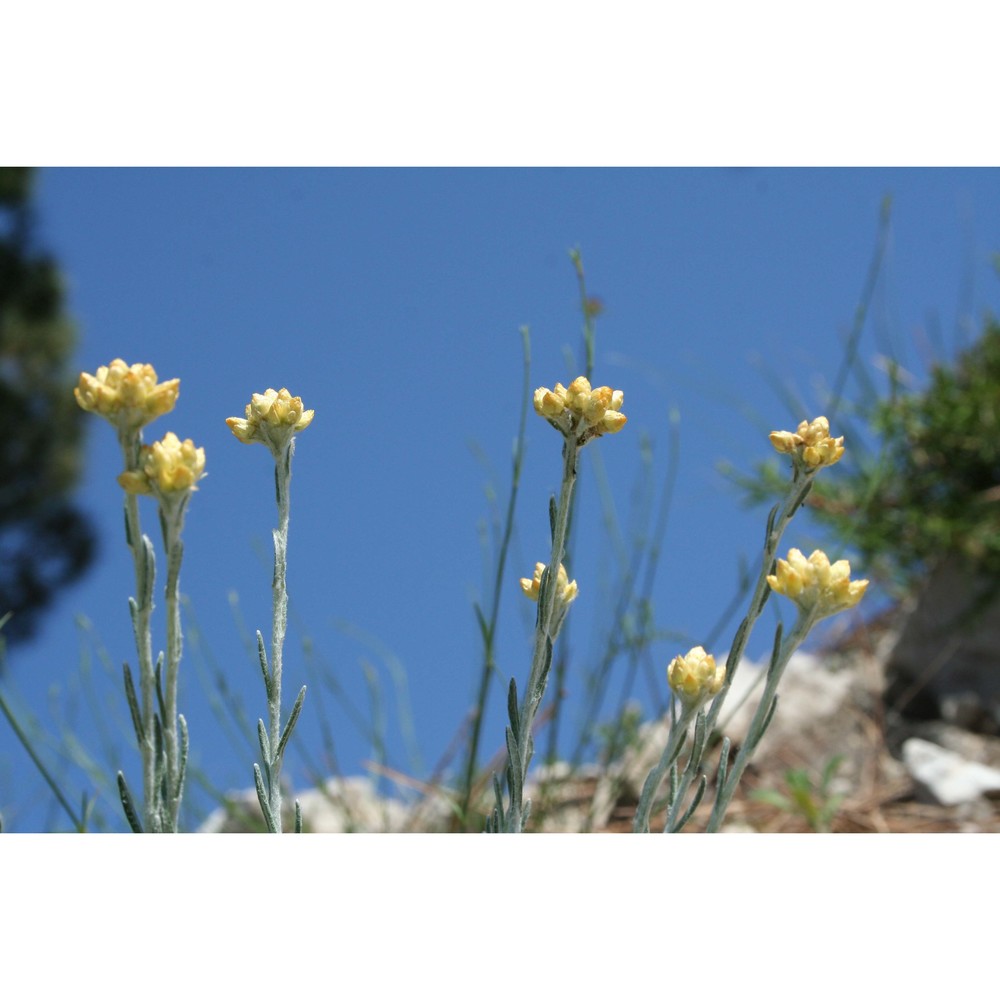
[
  {"x": 581, "y": 414},
  {"x": 273, "y": 419},
  {"x": 811, "y": 800},
  {"x": 818, "y": 589},
  {"x": 129, "y": 397}
]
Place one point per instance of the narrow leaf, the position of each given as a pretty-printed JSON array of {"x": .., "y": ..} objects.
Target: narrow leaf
[
  {"x": 290, "y": 725},
  {"x": 699, "y": 792},
  {"x": 130, "y": 814},
  {"x": 133, "y": 704},
  {"x": 767, "y": 718},
  {"x": 770, "y": 525},
  {"x": 262, "y": 656},
  {"x": 720, "y": 781},
  {"x": 775, "y": 650},
  {"x": 265, "y": 743},
  {"x": 265, "y": 806},
  {"x": 497, "y": 793},
  {"x": 513, "y": 767},
  {"x": 145, "y": 596},
  {"x": 512, "y": 709},
  {"x": 552, "y": 516},
  {"x": 298, "y": 816},
  {"x": 158, "y": 676},
  {"x": 182, "y": 763}
]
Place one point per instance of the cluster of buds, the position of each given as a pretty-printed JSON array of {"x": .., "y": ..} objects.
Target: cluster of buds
[
  {"x": 170, "y": 467},
  {"x": 579, "y": 411},
  {"x": 126, "y": 395},
  {"x": 695, "y": 677},
  {"x": 817, "y": 587},
  {"x": 271, "y": 418},
  {"x": 566, "y": 593},
  {"x": 566, "y": 590},
  {"x": 811, "y": 443}
]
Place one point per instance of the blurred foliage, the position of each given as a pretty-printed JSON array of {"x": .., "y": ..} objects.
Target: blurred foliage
[
  {"x": 812, "y": 800},
  {"x": 45, "y": 542},
  {"x": 931, "y": 484}
]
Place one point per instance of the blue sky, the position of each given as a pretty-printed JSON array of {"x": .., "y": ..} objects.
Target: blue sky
[{"x": 391, "y": 301}]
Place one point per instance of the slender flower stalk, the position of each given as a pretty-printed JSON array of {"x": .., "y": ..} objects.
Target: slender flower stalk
[
  {"x": 273, "y": 418},
  {"x": 141, "y": 609},
  {"x": 169, "y": 470},
  {"x": 129, "y": 397},
  {"x": 694, "y": 679},
  {"x": 580, "y": 413},
  {"x": 761, "y": 718},
  {"x": 817, "y": 587},
  {"x": 551, "y": 612}
]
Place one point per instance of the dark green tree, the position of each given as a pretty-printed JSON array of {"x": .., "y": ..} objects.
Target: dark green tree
[
  {"x": 930, "y": 487},
  {"x": 45, "y": 541}
]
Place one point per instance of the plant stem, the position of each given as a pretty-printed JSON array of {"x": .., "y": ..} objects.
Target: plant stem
[
  {"x": 781, "y": 516},
  {"x": 131, "y": 443},
  {"x": 172, "y": 523},
  {"x": 279, "y": 623},
  {"x": 542, "y": 656},
  {"x": 678, "y": 728},
  {"x": 758, "y": 723}
]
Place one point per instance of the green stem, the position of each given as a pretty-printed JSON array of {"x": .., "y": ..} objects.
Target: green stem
[
  {"x": 172, "y": 524},
  {"x": 670, "y": 752},
  {"x": 544, "y": 634},
  {"x": 797, "y": 491},
  {"x": 800, "y": 630},
  {"x": 279, "y": 623},
  {"x": 131, "y": 443},
  {"x": 778, "y": 521}
]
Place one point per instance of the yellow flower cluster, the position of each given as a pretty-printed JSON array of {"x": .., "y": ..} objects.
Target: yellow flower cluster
[
  {"x": 815, "y": 585},
  {"x": 566, "y": 591},
  {"x": 170, "y": 466},
  {"x": 811, "y": 441},
  {"x": 127, "y": 395},
  {"x": 271, "y": 418},
  {"x": 695, "y": 677},
  {"x": 577, "y": 407}
]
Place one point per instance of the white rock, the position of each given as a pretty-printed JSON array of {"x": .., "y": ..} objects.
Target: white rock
[
  {"x": 948, "y": 778},
  {"x": 341, "y": 805}
]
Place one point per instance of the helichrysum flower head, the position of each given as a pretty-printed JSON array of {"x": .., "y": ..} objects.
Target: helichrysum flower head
[
  {"x": 271, "y": 418},
  {"x": 815, "y": 585},
  {"x": 127, "y": 395},
  {"x": 167, "y": 468},
  {"x": 695, "y": 677},
  {"x": 580, "y": 410},
  {"x": 811, "y": 443},
  {"x": 566, "y": 590}
]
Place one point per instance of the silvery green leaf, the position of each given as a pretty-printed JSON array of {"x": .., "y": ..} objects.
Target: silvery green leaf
[
  {"x": 265, "y": 743},
  {"x": 512, "y": 709},
  {"x": 292, "y": 719},
  {"x": 126, "y": 799},
  {"x": 699, "y": 792},
  {"x": 133, "y": 704},
  {"x": 262, "y": 656}
]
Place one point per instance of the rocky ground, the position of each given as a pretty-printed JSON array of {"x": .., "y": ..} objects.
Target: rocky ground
[{"x": 898, "y": 773}]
